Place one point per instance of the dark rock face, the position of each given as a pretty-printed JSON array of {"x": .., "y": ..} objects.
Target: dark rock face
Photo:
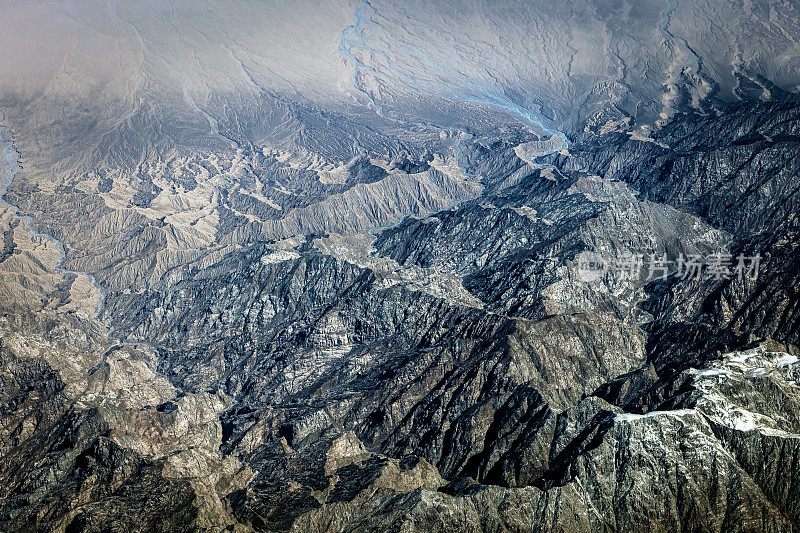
[{"x": 61, "y": 470}]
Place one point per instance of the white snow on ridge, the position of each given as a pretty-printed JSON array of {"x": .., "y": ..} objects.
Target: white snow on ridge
[
  {"x": 632, "y": 417},
  {"x": 733, "y": 393}
]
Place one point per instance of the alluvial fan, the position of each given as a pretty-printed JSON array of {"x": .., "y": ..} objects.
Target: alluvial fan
[{"x": 399, "y": 266}]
